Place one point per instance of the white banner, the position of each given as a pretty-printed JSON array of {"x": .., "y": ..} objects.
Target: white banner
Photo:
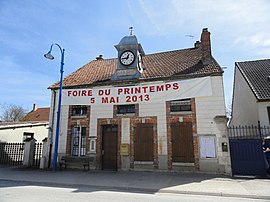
[{"x": 145, "y": 93}]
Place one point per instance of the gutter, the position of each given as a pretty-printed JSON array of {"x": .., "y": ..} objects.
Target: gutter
[{"x": 23, "y": 125}]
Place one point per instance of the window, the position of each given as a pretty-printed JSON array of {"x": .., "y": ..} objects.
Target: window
[
  {"x": 79, "y": 141},
  {"x": 27, "y": 135},
  {"x": 180, "y": 105},
  {"x": 126, "y": 109},
  {"x": 79, "y": 110}
]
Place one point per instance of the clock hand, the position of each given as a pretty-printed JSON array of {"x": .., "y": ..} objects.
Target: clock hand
[{"x": 125, "y": 58}]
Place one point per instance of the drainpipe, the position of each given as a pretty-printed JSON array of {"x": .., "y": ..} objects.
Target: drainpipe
[{"x": 51, "y": 131}]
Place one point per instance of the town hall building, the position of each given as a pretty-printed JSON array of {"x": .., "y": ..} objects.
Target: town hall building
[{"x": 139, "y": 111}]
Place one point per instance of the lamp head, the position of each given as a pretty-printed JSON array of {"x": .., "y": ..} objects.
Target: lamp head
[{"x": 49, "y": 56}]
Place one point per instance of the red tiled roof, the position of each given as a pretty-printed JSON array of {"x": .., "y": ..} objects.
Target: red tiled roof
[
  {"x": 185, "y": 63},
  {"x": 40, "y": 114}
]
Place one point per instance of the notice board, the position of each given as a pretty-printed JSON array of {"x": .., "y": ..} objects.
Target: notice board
[{"x": 207, "y": 146}]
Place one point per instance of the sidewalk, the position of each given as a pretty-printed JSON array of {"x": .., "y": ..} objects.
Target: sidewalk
[{"x": 150, "y": 182}]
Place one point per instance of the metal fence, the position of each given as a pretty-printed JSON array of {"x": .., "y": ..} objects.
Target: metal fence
[
  {"x": 11, "y": 153},
  {"x": 37, "y": 155},
  {"x": 248, "y": 132},
  {"x": 247, "y": 157}
]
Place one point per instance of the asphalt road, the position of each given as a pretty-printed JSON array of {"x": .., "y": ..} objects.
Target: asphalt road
[{"x": 16, "y": 191}]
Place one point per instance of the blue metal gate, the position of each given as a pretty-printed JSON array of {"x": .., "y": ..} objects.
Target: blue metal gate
[{"x": 247, "y": 157}]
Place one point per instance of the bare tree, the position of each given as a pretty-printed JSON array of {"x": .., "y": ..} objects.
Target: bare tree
[{"x": 12, "y": 113}]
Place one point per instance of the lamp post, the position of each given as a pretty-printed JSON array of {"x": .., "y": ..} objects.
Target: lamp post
[{"x": 50, "y": 56}]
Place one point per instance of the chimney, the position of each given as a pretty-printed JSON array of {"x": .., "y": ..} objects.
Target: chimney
[
  {"x": 206, "y": 47},
  {"x": 197, "y": 44},
  {"x": 35, "y": 107},
  {"x": 100, "y": 57}
]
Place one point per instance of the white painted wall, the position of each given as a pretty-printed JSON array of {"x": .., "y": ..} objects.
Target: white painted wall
[
  {"x": 125, "y": 138},
  {"x": 51, "y": 117},
  {"x": 207, "y": 108},
  {"x": 62, "y": 144},
  {"x": 263, "y": 114},
  {"x": 106, "y": 111},
  {"x": 211, "y": 120},
  {"x": 16, "y": 135},
  {"x": 245, "y": 107},
  {"x": 63, "y": 123}
]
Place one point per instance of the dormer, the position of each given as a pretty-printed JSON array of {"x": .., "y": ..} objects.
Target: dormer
[{"x": 129, "y": 64}]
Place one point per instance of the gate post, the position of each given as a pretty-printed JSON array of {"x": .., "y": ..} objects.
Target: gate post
[
  {"x": 224, "y": 160},
  {"x": 29, "y": 152},
  {"x": 45, "y": 152}
]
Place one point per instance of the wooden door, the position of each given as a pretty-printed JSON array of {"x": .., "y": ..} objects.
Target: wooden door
[
  {"x": 182, "y": 143},
  {"x": 143, "y": 143},
  {"x": 109, "y": 147}
]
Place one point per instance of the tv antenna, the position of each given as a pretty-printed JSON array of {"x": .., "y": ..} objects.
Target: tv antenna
[{"x": 190, "y": 36}]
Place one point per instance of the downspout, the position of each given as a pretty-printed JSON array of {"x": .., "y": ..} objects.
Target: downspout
[{"x": 52, "y": 126}]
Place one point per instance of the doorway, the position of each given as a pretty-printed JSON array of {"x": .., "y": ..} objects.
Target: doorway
[
  {"x": 109, "y": 147},
  {"x": 182, "y": 142},
  {"x": 78, "y": 141},
  {"x": 144, "y": 142}
]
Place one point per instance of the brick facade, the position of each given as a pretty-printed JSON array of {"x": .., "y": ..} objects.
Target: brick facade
[
  {"x": 77, "y": 121},
  {"x": 134, "y": 121},
  {"x": 190, "y": 73},
  {"x": 182, "y": 117}
]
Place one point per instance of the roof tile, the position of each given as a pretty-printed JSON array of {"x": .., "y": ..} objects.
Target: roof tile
[
  {"x": 256, "y": 74},
  {"x": 184, "y": 63},
  {"x": 40, "y": 114}
]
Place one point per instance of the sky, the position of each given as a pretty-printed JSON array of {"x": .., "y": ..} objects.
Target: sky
[{"x": 85, "y": 29}]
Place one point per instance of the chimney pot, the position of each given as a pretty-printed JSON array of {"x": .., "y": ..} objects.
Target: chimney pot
[
  {"x": 205, "y": 30},
  {"x": 100, "y": 57},
  {"x": 35, "y": 107},
  {"x": 197, "y": 44}
]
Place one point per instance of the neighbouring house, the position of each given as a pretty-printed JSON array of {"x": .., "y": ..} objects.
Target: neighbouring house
[
  {"x": 251, "y": 93},
  {"x": 159, "y": 111},
  {"x": 34, "y": 125}
]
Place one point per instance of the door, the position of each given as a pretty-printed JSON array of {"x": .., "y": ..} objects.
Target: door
[
  {"x": 109, "y": 147},
  {"x": 79, "y": 141},
  {"x": 182, "y": 143},
  {"x": 143, "y": 142}
]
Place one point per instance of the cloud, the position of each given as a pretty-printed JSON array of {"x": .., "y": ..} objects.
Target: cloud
[
  {"x": 240, "y": 29},
  {"x": 152, "y": 18},
  {"x": 151, "y": 14},
  {"x": 232, "y": 18},
  {"x": 257, "y": 39}
]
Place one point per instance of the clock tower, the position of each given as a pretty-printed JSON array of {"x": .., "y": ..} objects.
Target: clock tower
[{"x": 129, "y": 60}]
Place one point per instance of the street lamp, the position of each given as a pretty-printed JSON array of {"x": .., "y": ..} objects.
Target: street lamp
[{"x": 50, "y": 57}]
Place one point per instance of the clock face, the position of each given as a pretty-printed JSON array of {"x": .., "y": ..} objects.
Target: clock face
[{"x": 127, "y": 58}]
